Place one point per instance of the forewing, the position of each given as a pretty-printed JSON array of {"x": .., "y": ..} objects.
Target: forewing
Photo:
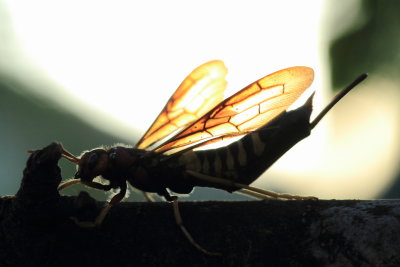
[
  {"x": 201, "y": 90},
  {"x": 252, "y": 107}
]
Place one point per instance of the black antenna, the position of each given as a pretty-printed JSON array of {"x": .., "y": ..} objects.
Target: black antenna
[{"x": 337, "y": 98}]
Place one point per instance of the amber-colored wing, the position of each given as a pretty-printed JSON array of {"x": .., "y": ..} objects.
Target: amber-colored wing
[
  {"x": 247, "y": 110},
  {"x": 202, "y": 90}
]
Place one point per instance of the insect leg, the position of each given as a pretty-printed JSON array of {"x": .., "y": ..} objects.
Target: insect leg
[
  {"x": 189, "y": 237},
  {"x": 68, "y": 183},
  {"x": 148, "y": 196},
  {"x": 8, "y": 197},
  {"x": 251, "y": 194},
  {"x": 179, "y": 222},
  {"x": 104, "y": 211},
  {"x": 79, "y": 181},
  {"x": 105, "y": 187},
  {"x": 250, "y": 189}
]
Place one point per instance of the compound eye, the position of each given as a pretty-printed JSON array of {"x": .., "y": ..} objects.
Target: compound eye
[{"x": 92, "y": 161}]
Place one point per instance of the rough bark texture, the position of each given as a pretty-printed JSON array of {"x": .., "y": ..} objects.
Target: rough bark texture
[{"x": 35, "y": 229}]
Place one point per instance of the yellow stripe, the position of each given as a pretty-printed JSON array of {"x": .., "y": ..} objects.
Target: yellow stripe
[
  {"x": 206, "y": 165},
  {"x": 230, "y": 163},
  {"x": 217, "y": 164},
  {"x": 191, "y": 161},
  {"x": 242, "y": 155},
  {"x": 258, "y": 145}
]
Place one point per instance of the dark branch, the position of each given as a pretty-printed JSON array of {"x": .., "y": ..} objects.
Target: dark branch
[{"x": 35, "y": 229}]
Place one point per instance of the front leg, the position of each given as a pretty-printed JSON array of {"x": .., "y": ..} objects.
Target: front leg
[
  {"x": 105, "y": 187},
  {"x": 104, "y": 211},
  {"x": 166, "y": 195},
  {"x": 90, "y": 184}
]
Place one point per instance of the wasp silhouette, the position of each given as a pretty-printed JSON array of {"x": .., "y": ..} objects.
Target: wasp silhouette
[{"x": 195, "y": 116}]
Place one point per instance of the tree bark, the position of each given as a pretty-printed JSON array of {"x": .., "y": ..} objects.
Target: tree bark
[{"x": 36, "y": 229}]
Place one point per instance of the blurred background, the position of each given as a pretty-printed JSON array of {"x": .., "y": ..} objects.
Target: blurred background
[{"x": 90, "y": 73}]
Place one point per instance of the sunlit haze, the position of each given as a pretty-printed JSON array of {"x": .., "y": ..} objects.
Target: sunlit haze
[{"x": 126, "y": 58}]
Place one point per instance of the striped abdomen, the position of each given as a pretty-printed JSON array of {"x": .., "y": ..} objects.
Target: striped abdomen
[{"x": 246, "y": 159}]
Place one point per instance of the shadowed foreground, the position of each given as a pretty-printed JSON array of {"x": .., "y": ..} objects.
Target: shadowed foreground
[{"x": 35, "y": 229}]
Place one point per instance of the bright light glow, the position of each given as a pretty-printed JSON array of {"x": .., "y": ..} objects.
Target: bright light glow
[{"x": 127, "y": 57}]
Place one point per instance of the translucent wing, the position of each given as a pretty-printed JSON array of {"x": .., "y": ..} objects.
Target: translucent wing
[
  {"x": 247, "y": 110},
  {"x": 201, "y": 90}
]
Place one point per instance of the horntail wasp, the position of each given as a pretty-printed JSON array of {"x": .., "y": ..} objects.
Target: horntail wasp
[{"x": 199, "y": 116}]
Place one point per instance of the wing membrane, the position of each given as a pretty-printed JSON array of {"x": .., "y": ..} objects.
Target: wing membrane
[
  {"x": 201, "y": 90},
  {"x": 249, "y": 109}
]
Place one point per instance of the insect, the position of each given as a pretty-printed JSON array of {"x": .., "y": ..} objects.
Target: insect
[{"x": 196, "y": 115}]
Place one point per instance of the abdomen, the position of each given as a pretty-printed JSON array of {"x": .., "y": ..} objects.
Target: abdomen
[{"x": 246, "y": 159}]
